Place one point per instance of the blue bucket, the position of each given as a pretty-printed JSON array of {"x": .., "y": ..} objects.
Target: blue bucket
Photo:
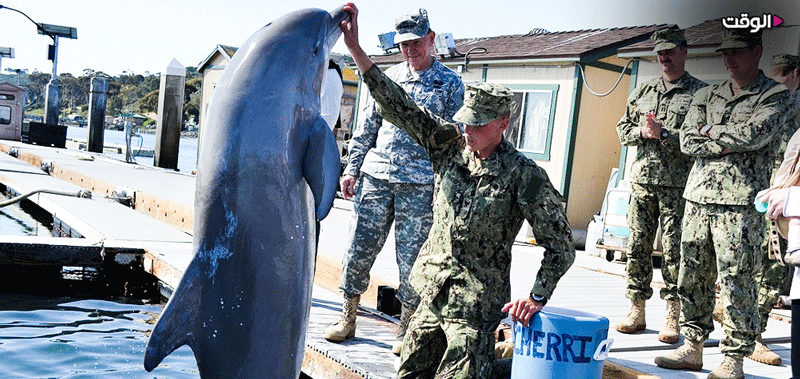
[{"x": 560, "y": 343}]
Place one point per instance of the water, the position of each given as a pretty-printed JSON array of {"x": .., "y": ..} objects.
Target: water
[
  {"x": 62, "y": 337},
  {"x": 55, "y": 329},
  {"x": 187, "y": 147},
  {"x": 16, "y": 221}
]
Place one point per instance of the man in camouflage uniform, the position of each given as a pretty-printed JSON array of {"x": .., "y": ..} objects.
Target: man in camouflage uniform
[
  {"x": 484, "y": 190},
  {"x": 652, "y": 122},
  {"x": 732, "y": 129},
  {"x": 774, "y": 278},
  {"x": 394, "y": 175}
]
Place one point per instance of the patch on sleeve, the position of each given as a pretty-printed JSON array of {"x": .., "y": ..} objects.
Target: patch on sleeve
[
  {"x": 533, "y": 188},
  {"x": 445, "y": 135}
]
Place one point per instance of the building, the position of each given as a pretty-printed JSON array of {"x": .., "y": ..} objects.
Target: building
[
  {"x": 12, "y": 108},
  {"x": 571, "y": 89}
]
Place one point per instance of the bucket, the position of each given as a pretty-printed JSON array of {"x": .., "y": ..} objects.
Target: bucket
[{"x": 560, "y": 343}]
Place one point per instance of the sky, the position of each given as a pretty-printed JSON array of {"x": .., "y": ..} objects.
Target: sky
[{"x": 144, "y": 36}]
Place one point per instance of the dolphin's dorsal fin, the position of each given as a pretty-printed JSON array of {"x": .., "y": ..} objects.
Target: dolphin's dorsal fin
[
  {"x": 321, "y": 166},
  {"x": 176, "y": 324}
]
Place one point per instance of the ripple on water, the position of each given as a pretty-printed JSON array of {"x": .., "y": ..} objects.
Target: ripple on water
[{"x": 43, "y": 337}]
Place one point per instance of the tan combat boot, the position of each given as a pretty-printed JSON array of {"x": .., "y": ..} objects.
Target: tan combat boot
[
  {"x": 405, "y": 316},
  {"x": 635, "y": 320},
  {"x": 762, "y": 354},
  {"x": 671, "y": 330},
  {"x": 346, "y": 326},
  {"x": 687, "y": 357},
  {"x": 730, "y": 368}
]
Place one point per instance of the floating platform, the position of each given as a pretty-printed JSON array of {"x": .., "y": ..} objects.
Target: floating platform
[
  {"x": 80, "y": 144},
  {"x": 153, "y": 231}
]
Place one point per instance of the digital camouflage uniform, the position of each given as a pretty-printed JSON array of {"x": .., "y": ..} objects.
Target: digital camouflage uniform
[
  {"x": 722, "y": 231},
  {"x": 396, "y": 181},
  {"x": 657, "y": 177},
  {"x": 462, "y": 272},
  {"x": 773, "y": 278}
]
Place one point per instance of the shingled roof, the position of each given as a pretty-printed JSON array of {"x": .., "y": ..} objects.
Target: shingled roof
[
  {"x": 702, "y": 36},
  {"x": 542, "y": 45}
]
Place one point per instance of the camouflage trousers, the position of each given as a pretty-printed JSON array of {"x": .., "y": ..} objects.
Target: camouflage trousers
[
  {"x": 721, "y": 241},
  {"x": 773, "y": 280},
  {"x": 376, "y": 206},
  {"x": 647, "y": 203},
  {"x": 438, "y": 345}
]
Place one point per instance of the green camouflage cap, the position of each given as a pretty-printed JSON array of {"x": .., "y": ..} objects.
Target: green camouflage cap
[
  {"x": 411, "y": 26},
  {"x": 739, "y": 38},
  {"x": 668, "y": 38},
  {"x": 483, "y": 102},
  {"x": 787, "y": 59}
]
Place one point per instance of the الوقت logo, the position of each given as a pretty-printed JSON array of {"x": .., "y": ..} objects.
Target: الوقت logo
[{"x": 756, "y": 23}]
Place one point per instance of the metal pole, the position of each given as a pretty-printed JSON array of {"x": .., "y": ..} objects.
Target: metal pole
[
  {"x": 51, "y": 111},
  {"x": 97, "y": 114}
]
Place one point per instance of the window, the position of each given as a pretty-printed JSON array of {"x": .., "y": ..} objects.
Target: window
[
  {"x": 6, "y": 96},
  {"x": 5, "y": 114},
  {"x": 530, "y": 128}
]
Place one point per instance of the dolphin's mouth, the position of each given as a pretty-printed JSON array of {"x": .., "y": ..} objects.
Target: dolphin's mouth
[{"x": 337, "y": 16}]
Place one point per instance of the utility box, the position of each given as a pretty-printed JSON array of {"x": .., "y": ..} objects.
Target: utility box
[
  {"x": 37, "y": 133},
  {"x": 12, "y": 107}
]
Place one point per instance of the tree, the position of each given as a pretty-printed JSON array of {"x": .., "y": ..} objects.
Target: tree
[
  {"x": 149, "y": 103},
  {"x": 37, "y": 83}
]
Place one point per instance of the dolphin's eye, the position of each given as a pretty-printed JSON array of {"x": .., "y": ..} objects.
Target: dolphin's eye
[{"x": 316, "y": 50}]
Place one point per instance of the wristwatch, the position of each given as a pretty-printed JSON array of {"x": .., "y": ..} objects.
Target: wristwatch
[{"x": 539, "y": 299}]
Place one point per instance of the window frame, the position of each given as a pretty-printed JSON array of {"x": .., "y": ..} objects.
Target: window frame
[
  {"x": 525, "y": 88},
  {"x": 10, "y": 114}
]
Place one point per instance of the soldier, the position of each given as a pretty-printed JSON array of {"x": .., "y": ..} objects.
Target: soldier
[
  {"x": 651, "y": 122},
  {"x": 395, "y": 179},
  {"x": 774, "y": 278},
  {"x": 485, "y": 189},
  {"x": 732, "y": 129}
]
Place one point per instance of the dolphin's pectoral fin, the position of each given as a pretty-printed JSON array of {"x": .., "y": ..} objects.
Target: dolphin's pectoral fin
[
  {"x": 175, "y": 327},
  {"x": 321, "y": 167}
]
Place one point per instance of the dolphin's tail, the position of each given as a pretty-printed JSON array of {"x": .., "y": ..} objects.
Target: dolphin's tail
[{"x": 174, "y": 327}]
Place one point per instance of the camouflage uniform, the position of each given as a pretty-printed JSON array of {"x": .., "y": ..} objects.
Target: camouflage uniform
[
  {"x": 722, "y": 231},
  {"x": 773, "y": 278},
  {"x": 462, "y": 272},
  {"x": 396, "y": 184},
  {"x": 658, "y": 176}
]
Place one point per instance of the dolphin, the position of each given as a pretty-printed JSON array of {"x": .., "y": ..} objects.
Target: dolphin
[{"x": 267, "y": 175}]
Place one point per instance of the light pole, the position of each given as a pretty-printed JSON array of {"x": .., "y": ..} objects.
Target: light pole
[{"x": 52, "y": 95}]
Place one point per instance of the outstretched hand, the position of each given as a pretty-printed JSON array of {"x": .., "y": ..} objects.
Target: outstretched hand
[
  {"x": 350, "y": 36},
  {"x": 350, "y": 27}
]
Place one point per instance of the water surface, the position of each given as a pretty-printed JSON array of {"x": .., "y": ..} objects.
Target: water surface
[{"x": 67, "y": 337}]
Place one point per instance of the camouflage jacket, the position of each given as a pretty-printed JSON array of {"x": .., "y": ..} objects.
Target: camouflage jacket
[
  {"x": 787, "y": 133},
  {"x": 749, "y": 124},
  {"x": 385, "y": 152},
  {"x": 658, "y": 162},
  {"x": 479, "y": 207}
]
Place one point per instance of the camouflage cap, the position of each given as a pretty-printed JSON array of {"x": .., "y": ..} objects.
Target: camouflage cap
[
  {"x": 668, "y": 38},
  {"x": 411, "y": 26},
  {"x": 483, "y": 102},
  {"x": 787, "y": 59},
  {"x": 739, "y": 38}
]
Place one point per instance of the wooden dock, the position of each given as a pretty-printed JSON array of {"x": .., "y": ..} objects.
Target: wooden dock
[{"x": 154, "y": 232}]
